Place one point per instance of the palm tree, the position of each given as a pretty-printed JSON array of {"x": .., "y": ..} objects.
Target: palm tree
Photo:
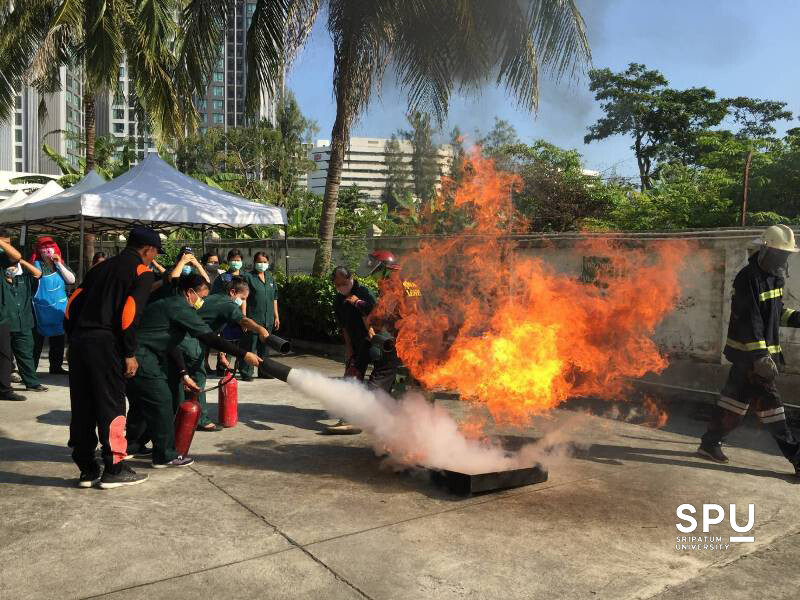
[
  {"x": 38, "y": 37},
  {"x": 435, "y": 47}
]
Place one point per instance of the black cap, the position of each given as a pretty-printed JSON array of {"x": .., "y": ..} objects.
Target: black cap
[
  {"x": 144, "y": 236},
  {"x": 186, "y": 250}
]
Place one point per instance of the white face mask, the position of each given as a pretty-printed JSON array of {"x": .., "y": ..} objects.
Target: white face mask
[
  {"x": 262, "y": 266},
  {"x": 14, "y": 271},
  {"x": 238, "y": 301}
]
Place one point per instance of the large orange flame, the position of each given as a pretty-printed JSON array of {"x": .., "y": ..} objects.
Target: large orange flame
[{"x": 512, "y": 332}]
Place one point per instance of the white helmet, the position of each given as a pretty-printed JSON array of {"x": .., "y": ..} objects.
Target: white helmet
[{"x": 780, "y": 237}]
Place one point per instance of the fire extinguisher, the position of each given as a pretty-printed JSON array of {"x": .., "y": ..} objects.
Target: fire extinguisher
[
  {"x": 228, "y": 401},
  {"x": 185, "y": 424}
]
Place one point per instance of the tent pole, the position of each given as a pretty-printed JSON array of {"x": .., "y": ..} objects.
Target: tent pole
[
  {"x": 286, "y": 248},
  {"x": 80, "y": 254}
]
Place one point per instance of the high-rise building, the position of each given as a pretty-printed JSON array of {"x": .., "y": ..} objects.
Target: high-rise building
[
  {"x": 116, "y": 114},
  {"x": 365, "y": 164},
  {"x": 61, "y": 128},
  {"x": 223, "y": 103}
]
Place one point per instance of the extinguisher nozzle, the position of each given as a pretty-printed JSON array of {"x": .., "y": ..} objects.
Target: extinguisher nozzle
[
  {"x": 276, "y": 369},
  {"x": 278, "y": 343}
]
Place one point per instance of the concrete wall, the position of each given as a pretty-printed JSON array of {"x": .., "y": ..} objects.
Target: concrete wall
[{"x": 694, "y": 332}]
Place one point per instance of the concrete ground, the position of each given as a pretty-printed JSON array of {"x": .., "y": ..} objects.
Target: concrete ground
[{"x": 274, "y": 509}]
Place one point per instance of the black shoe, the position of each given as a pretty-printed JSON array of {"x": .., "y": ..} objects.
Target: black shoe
[
  {"x": 712, "y": 452},
  {"x": 245, "y": 378},
  {"x": 59, "y": 371},
  {"x": 36, "y": 388},
  {"x": 89, "y": 478},
  {"x": 210, "y": 427},
  {"x": 13, "y": 396},
  {"x": 126, "y": 476},
  {"x": 181, "y": 461}
]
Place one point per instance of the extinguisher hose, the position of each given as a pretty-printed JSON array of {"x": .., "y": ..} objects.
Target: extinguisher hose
[{"x": 229, "y": 375}]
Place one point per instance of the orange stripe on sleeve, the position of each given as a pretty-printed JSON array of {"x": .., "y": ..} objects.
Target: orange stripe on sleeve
[
  {"x": 69, "y": 302},
  {"x": 128, "y": 312},
  {"x": 141, "y": 270}
]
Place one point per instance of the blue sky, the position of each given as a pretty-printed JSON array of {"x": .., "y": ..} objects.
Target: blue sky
[{"x": 735, "y": 47}]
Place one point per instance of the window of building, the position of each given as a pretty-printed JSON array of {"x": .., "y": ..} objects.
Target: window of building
[
  {"x": 119, "y": 113},
  {"x": 251, "y": 8},
  {"x": 202, "y": 116},
  {"x": 218, "y": 104},
  {"x": 218, "y": 119},
  {"x": 18, "y": 151},
  {"x": 18, "y": 102},
  {"x": 18, "y": 135},
  {"x": 219, "y": 77},
  {"x": 19, "y": 167},
  {"x": 202, "y": 104},
  {"x": 18, "y": 119},
  {"x": 119, "y": 127},
  {"x": 121, "y": 72},
  {"x": 218, "y": 90}
]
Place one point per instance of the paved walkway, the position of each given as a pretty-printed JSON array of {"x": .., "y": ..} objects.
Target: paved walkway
[{"x": 273, "y": 509}]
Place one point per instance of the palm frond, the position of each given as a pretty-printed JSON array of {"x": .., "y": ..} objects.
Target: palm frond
[
  {"x": 22, "y": 31},
  {"x": 265, "y": 50},
  {"x": 202, "y": 27},
  {"x": 103, "y": 43}
]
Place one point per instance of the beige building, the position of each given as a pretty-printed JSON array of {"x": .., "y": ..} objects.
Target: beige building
[{"x": 365, "y": 164}]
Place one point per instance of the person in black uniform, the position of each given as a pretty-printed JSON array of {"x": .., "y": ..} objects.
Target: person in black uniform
[
  {"x": 8, "y": 256},
  {"x": 753, "y": 346},
  {"x": 352, "y": 305},
  {"x": 101, "y": 321}
]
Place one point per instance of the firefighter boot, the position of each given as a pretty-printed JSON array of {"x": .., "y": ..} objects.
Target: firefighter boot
[{"x": 712, "y": 451}]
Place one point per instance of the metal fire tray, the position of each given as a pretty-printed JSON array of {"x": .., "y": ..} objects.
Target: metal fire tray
[{"x": 466, "y": 484}]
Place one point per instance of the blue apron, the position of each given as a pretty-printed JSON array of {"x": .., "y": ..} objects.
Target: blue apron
[{"x": 50, "y": 304}]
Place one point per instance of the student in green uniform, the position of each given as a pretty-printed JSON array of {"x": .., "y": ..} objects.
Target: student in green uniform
[
  {"x": 19, "y": 277},
  {"x": 8, "y": 255},
  {"x": 217, "y": 311},
  {"x": 164, "y": 325},
  {"x": 262, "y": 307},
  {"x": 219, "y": 287}
]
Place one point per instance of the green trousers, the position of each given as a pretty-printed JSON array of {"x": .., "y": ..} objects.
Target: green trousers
[
  {"x": 151, "y": 406},
  {"x": 22, "y": 347},
  {"x": 252, "y": 343}
]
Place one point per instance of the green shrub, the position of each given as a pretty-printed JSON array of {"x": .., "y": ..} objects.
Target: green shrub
[{"x": 306, "y": 307}]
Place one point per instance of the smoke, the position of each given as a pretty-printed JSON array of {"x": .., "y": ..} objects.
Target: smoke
[{"x": 417, "y": 433}]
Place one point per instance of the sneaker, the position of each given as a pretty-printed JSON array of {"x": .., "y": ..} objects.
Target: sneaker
[
  {"x": 144, "y": 452},
  {"x": 16, "y": 378},
  {"x": 13, "y": 396},
  {"x": 181, "y": 461},
  {"x": 342, "y": 428},
  {"x": 126, "y": 476},
  {"x": 712, "y": 452},
  {"x": 89, "y": 478},
  {"x": 36, "y": 388}
]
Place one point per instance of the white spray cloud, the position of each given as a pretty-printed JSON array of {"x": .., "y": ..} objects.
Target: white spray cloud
[{"x": 416, "y": 432}]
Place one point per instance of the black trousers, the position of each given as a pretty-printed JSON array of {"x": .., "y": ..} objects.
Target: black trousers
[
  {"x": 742, "y": 390},
  {"x": 384, "y": 370},
  {"x": 56, "y": 350},
  {"x": 6, "y": 360},
  {"x": 97, "y": 399}
]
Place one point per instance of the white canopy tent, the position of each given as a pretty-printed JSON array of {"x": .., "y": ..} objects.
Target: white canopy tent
[
  {"x": 152, "y": 194},
  {"x": 48, "y": 190}
]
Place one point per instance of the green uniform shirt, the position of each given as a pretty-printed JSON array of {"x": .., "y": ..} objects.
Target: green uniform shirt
[
  {"x": 17, "y": 301},
  {"x": 164, "y": 325},
  {"x": 260, "y": 302},
  {"x": 218, "y": 310}
]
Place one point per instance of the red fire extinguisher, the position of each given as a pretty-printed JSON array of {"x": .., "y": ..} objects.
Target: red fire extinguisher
[
  {"x": 185, "y": 424},
  {"x": 228, "y": 399}
]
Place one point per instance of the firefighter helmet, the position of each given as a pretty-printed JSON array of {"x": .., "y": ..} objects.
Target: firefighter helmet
[
  {"x": 381, "y": 259},
  {"x": 779, "y": 237}
]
